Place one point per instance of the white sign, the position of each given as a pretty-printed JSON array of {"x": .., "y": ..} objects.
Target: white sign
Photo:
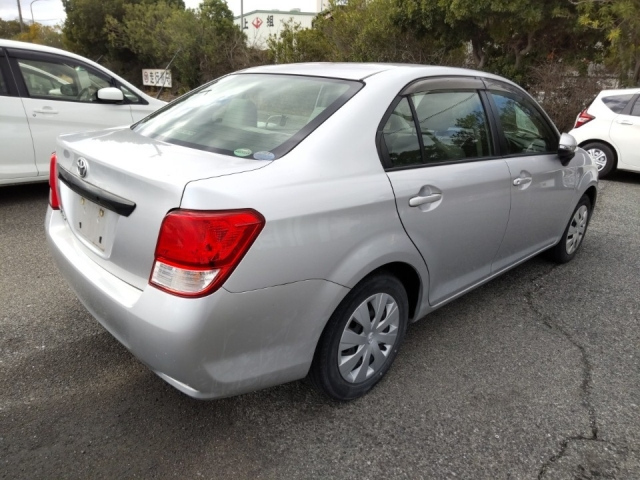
[{"x": 156, "y": 77}]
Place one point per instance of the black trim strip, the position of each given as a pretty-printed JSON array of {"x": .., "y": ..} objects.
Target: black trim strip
[{"x": 112, "y": 202}]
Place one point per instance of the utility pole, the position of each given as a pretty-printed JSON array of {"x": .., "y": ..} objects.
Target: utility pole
[{"x": 20, "y": 14}]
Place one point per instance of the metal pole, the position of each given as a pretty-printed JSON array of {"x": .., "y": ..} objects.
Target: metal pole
[
  {"x": 164, "y": 74},
  {"x": 20, "y": 14},
  {"x": 31, "y": 8},
  {"x": 241, "y": 16}
]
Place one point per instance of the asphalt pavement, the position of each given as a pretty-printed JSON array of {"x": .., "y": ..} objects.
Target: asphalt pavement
[{"x": 535, "y": 375}]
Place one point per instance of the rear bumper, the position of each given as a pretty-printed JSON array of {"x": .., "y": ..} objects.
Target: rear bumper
[{"x": 220, "y": 345}]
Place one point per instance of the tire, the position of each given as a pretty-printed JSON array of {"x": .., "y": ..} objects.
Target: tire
[
  {"x": 603, "y": 156},
  {"x": 573, "y": 235},
  {"x": 354, "y": 353}
]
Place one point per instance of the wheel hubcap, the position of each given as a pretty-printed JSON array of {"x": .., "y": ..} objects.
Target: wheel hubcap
[
  {"x": 577, "y": 228},
  {"x": 368, "y": 338},
  {"x": 599, "y": 157}
]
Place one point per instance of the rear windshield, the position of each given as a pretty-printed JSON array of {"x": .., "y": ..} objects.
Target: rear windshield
[
  {"x": 616, "y": 103},
  {"x": 260, "y": 116}
]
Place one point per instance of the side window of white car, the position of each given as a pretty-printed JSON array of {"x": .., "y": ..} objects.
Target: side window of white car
[
  {"x": 635, "y": 111},
  {"x": 4, "y": 90},
  {"x": 453, "y": 126},
  {"x": 524, "y": 127},
  {"x": 62, "y": 79}
]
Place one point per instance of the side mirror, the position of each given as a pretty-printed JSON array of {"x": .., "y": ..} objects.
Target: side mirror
[
  {"x": 566, "y": 148},
  {"x": 110, "y": 95}
]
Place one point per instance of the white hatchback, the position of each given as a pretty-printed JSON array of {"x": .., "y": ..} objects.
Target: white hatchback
[
  {"x": 45, "y": 92},
  {"x": 610, "y": 130}
]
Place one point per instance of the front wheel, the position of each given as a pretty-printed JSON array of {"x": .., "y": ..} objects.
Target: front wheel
[
  {"x": 361, "y": 339},
  {"x": 573, "y": 235}
]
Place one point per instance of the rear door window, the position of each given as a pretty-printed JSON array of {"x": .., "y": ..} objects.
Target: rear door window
[
  {"x": 617, "y": 103},
  {"x": 401, "y": 137},
  {"x": 4, "y": 90},
  {"x": 453, "y": 126},
  {"x": 260, "y": 116}
]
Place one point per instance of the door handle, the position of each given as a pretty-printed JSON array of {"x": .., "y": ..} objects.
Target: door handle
[
  {"x": 624, "y": 122},
  {"x": 50, "y": 111},
  {"x": 417, "y": 201},
  {"x": 521, "y": 181}
]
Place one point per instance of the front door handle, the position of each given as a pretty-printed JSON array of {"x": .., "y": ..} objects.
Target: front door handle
[
  {"x": 624, "y": 121},
  {"x": 417, "y": 201},
  {"x": 521, "y": 181},
  {"x": 46, "y": 110}
]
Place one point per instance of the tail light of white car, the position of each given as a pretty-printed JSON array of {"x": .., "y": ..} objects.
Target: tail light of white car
[
  {"x": 197, "y": 250},
  {"x": 583, "y": 117},
  {"x": 54, "y": 197}
]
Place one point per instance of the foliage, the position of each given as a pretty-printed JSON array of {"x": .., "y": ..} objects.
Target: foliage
[
  {"x": 206, "y": 41},
  {"x": 9, "y": 29},
  {"x": 41, "y": 34},
  {"x": 358, "y": 30},
  {"x": 619, "y": 22}
]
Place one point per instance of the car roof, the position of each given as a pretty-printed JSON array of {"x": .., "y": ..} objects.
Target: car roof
[
  {"x": 621, "y": 91},
  {"x": 360, "y": 71}
]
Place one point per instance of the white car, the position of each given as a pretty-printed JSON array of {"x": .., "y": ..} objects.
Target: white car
[
  {"x": 45, "y": 92},
  {"x": 610, "y": 130}
]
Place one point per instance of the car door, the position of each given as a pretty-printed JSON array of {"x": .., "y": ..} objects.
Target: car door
[
  {"x": 542, "y": 189},
  {"x": 17, "y": 159},
  {"x": 58, "y": 94},
  {"x": 625, "y": 132},
  {"x": 452, "y": 193}
]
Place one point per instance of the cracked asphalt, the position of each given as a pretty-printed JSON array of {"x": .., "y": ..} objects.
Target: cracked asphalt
[{"x": 535, "y": 375}]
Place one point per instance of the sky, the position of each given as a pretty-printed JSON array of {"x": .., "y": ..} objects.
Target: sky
[{"x": 51, "y": 12}]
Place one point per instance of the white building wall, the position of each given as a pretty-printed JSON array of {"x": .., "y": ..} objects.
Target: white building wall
[{"x": 259, "y": 24}]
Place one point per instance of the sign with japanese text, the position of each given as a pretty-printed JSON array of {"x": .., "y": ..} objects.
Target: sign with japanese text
[{"x": 156, "y": 77}]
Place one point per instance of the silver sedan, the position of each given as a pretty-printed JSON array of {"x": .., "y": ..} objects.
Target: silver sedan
[{"x": 291, "y": 220}]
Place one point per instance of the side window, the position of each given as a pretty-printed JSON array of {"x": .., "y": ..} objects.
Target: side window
[
  {"x": 129, "y": 95},
  {"x": 62, "y": 79},
  {"x": 636, "y": 108},
  {"x": 401, "y": 138},
  {"x": 453, "y": 125},
  {"x": 525, "y": 129},
  {"x": 4, "y": 90},
  {"x": 617, "y": 103}
]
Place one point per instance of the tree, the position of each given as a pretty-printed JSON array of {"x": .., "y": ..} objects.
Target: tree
[
  {"x": 41, "y": 34},
  {"x": 502, "y": 35},
  {"x": 619, "y": 21},
  {"x": 9, "y": 29},
  {"x": 207, "y": 42}
]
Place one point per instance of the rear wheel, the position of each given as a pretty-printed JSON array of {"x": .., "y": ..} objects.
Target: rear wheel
[
  {"x": 602, "y": 155},
  {"x": 573, "y": 235},
  {"x": 361, "y": 339}
]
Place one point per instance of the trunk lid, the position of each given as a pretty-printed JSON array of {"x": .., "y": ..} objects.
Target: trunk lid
[{"x": 124, "y": 169}]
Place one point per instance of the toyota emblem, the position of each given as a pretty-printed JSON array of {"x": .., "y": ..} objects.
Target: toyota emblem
[{"x": 83, "y": 167}]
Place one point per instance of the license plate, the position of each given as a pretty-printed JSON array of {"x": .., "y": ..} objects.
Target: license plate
[{"x": 91, "y": 222}]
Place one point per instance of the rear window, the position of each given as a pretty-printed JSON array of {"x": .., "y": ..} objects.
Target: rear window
[
  {"x": 616, "y": 103},
  {"x": 261, "y": 116}
]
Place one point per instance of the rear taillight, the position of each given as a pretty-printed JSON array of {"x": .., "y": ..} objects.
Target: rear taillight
[
  {"x": 583, "y": 118},
  {"x": 197, "y": 251},
  {"x": 54, "y": 197}
]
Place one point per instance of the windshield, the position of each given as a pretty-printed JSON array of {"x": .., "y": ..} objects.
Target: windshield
[{"x": 260, "y": 116}]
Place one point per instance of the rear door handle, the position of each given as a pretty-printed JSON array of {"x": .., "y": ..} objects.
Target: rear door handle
[
  {"x": 624, "y": 121},
  {"x": 49, "y": 111},
  {"x": 417, "y": 201},
  {"x": 521, "y": 181}
]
